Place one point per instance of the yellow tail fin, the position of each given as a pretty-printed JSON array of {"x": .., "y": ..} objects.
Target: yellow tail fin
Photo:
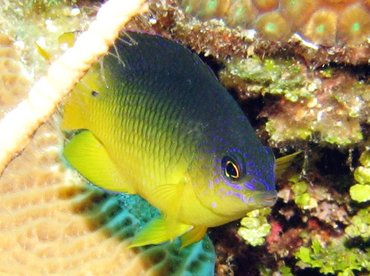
[{"x": 282, "y": 163}]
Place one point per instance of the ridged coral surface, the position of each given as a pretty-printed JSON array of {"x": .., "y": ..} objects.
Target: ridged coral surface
[
  {"x": 13, "y": 83},
  {"x": 322, "y": 22},
  {"x": 40, "y": 230}
]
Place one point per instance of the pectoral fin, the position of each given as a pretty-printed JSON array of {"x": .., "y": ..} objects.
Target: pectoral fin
[
  {"x": 194, "y": 235},
  {"x": 89, "y": 157},
  {"x": 171, "y": 195},
  {"x": 157, "y": 231},
  {"x": 282, "y": 163}
]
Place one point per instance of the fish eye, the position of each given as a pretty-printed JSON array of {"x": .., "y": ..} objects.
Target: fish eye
[
  {"x": 94, "y": 93},
  {"x": 230, "y": 168}
]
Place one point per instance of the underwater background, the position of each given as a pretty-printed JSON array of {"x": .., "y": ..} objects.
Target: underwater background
[{"x": 300, "y": 71}]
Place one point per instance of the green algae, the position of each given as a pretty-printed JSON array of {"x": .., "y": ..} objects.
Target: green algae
[
  {"x": 32, "y": 6},
  {"x": 283, "y": 270},
  {"x": 334, "y": 258},
  {"x": 302, "y": 196},
  {"x": 277, "y": 135},
  {"x": 255, "y": 227},
  {"x": 283, "y": 77},
  {"x": 360, "y": 191},
  {"x": 365, "y": 159},
  {"x": 338, "y": 256},
  {"x": 322, "y": 105},
  {"x": 360, "y": 224},
  {"x": 334, "y": 116}
]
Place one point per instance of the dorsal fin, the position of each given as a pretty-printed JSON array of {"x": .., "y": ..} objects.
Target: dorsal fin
[{"x": 143, "y": 55}]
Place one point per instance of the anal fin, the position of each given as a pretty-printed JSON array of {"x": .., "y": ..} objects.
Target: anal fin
[
  {"x": 89, "y": 157},
  {"x": 194, "y": 235}
]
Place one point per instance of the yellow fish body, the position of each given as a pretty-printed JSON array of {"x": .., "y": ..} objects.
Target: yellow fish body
[{"x": 155, "y": 122}]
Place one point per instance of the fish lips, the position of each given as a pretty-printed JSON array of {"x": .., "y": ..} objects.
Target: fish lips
[{"x": 267, "y": 198}]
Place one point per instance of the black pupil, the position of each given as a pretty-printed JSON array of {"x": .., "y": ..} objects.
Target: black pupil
[
  {"x": 231, "y": 169},
  {"x": 94, "y": 93}
]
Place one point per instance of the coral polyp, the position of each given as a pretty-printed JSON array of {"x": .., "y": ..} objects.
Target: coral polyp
[
  {"x": 240, "y": 13},
  {"x": 297, "y": 12},
  {"x": 353, "y": 25},
  {"x": 321, "y": 27},
  {"x": 266, "y": 5},
  {"x": 322, "y": 22},
  {"x": 273, "y": 26}
]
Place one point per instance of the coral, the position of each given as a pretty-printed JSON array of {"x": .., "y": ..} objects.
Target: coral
[
  {"x": 273, "y": 26},
  {"x": 297, "y": 12},
  {"x": 49, "y": 90},
  {"x": 13, "y": 80},
  {"x": 331, "y": 213},
  {"x": 311, "y": 103},
  {"x": 240, "y": 13},
  {"x": 283, "y": 243},
  {"x": 338, "y": 105},
  {"x": 40, "y": 23},
  {"x": 333, "y": 258},
  {"x": 233, "y": 36},
  {"x": 266, "y": 5},
  {"x": 119, "y": 216},
  {"x": 353, "y": 25},
  {"x": 254, "y": 227},
  {"x": 52, "y": 222},
  {"x": 322, "y": 28},
  {"x": 316, "y": 21}
]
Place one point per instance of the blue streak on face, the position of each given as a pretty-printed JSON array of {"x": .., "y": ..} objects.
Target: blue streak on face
[
  {"x": 249, "y": 186},
  {"x": 237, "y": 195},
  {"x": 235, "y": 186}
]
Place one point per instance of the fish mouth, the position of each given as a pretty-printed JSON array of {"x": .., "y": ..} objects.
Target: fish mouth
[{"x": 268, "y": 198}]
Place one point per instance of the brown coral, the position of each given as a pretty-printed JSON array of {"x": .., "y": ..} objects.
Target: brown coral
[{"x": 313, "y": 19}]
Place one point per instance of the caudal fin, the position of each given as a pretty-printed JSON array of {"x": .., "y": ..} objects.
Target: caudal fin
[{"x": 282, "y": 163}]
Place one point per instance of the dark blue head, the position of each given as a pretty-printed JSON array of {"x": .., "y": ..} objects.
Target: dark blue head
[{"x": 233, "y": 174}]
